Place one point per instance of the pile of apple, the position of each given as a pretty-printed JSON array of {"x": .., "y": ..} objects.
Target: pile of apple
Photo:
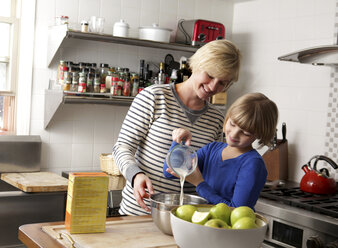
[{"x": 219, "y": 216}]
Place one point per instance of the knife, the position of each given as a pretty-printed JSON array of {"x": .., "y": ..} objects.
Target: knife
[{"x": 284, "y": 131}]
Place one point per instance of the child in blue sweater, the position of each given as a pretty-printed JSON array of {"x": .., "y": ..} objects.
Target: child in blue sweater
[{"x": 233, "y": 172}]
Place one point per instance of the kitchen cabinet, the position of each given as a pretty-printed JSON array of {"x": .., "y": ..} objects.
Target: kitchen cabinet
[{"x": 59, "y": 36}]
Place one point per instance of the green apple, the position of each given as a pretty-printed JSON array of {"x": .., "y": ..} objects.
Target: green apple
[
  {"x": 185, "y": 212},
  {"x": 245, "y": 223},
  {"x": 200, "y": 217},
  {"x": 241, "y": 212},
  {"x": 221, "y": 211},
  {"x": 217, "y": 223}
]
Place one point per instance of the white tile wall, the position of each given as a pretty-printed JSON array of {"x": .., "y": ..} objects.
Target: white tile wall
[{"x": 263, "y": 29}]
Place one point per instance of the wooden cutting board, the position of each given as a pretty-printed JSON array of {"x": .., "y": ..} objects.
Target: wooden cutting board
[
  {"x": 36, "y": 181},
  {"x": 131, "y": 232}
]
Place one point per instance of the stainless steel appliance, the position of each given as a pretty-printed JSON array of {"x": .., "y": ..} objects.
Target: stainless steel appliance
[
  {"x": 298, "y": 219},
  {"x": 20, "y": 153}
]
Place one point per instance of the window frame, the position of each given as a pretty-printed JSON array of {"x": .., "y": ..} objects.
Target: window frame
[
  {"x": 12, "y": 69},
  {"x": 22, "y": 69}
]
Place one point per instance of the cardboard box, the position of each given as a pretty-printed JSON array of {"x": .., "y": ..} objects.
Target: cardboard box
[
  {"x": 219, "y": 98},
  {"x": 86, "y": 207}
]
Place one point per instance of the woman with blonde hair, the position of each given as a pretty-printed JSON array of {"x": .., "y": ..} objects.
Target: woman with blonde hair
[
  {"x": 234, "y": 172},
  {"x": 156, "y": 111}
]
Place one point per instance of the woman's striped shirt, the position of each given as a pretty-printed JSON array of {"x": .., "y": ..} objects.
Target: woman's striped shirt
[{"x": 146, "y": 135}]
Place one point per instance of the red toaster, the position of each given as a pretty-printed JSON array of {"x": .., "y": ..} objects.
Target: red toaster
[{"x": 198, "y": 32}]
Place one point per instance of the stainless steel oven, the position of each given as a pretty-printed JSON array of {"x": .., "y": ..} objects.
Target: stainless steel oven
[{"x": 298, "y": 219}]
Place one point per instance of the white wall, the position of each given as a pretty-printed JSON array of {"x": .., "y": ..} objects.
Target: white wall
[
  {"x": 266, "y": 29},
  {"x": 79, "y": 133}
]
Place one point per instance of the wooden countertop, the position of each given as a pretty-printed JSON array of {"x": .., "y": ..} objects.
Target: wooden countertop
[{"x": 33, "y": 236}]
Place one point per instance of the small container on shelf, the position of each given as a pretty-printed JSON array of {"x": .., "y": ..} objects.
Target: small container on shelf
[
  {"x": 82, "y": 82},
  {"x": 84, "y": 26},
  {"x": 97, "y": 82}
]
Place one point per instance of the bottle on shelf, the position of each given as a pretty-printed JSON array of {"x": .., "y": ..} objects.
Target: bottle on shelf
[
  {"x": 161, "y": 74},
  {"x": 126, "y": 86},
  {"x": 62, "y": 68},
  {"x": 135, "y": 86},
  {"x": 147, "y": 76},
  {"x": 173, "y": 77},
  {"x": 184, "y": 73},
  {"x": 97, "y": 82},
  {"x": 82, "y": 82},
  {"x": 141, "y": 76},
  {"x": 90, "y": 80},
  {"x": 103, "y": 74}
]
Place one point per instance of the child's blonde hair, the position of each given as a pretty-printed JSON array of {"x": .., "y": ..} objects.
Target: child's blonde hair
[
  {"x": 218, "y": 58},
  {"x": 256, "y": 114}
]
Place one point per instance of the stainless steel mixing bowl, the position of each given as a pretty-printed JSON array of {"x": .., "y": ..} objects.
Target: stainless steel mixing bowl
[{"x": 162, "y": 203}]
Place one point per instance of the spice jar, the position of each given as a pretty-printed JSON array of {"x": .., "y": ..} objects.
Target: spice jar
[
  {"x": 126, "y": 86},
  {"x": 84, "y": 26},
  {"x": 82, "y": 82},
  {"x": 75, "y": 82},
  {"x": 102, "y": 88},
  {"x": 103, "y": 73},
  {"x": 90, "y": 80},
  {"x": 114, "y": 85},
  {"x": 97, "y": 82},
  {"x": 61, "y": 70},
  {"x": 109, "y": 80},
  {"x": 134, "y": 90},
  {"x": 67, "y": 81}
]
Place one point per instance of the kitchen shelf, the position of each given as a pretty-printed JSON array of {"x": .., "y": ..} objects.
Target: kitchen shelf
[
  {"x": 54, "y": 99},
  {"x": 58, "y": 35}
]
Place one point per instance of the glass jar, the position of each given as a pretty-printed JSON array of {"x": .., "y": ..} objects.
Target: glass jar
[
  {"x": 109, "y": 79},
  {"x": 103, "y": 73},
  {"x": 90, "y": 80},
  {"x": 64, "y": 19},
  {"x": 84, "y": 26},
  {"x": 114, "y": 86},
  {"x": 82, "y": 82},
  {"x": 75, "y": 82},
  {"x": 67, "y": 81},
  {"x": 102, "y": 88},
  {"x": 126, "y": 85},
  {"x": 62, "y": 67},
  {"x": 134, "y": 90},
  {"x": 97, "y": 82}
]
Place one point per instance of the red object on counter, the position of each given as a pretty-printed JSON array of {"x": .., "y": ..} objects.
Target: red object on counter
[{"x": 316, "y": 182}]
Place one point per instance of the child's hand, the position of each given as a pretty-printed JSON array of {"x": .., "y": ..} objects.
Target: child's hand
[
  {"x": 172, "y": 172},
  {"x": 195, "y": 178},
  {"x": 182, "y": 134}
]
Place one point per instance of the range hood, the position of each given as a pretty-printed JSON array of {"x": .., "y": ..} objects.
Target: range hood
[{"x": 320, "y": 55}]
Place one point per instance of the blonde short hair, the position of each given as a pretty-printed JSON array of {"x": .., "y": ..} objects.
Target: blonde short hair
[
  {"x": 218, "y": 58},
  {"x": 256, "y": 114}
]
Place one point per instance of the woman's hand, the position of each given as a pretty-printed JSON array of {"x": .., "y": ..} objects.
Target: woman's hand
[
  {"x": 195, "y": 178},
  {"x": 182, "y": 134},
  {"x": 141, "y": 183}
]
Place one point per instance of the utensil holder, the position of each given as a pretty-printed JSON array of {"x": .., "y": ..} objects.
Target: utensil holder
[{"x": 276, "y": 161}]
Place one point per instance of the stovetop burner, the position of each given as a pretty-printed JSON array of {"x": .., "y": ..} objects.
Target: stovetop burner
[{"x": 289, "y": 193}]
